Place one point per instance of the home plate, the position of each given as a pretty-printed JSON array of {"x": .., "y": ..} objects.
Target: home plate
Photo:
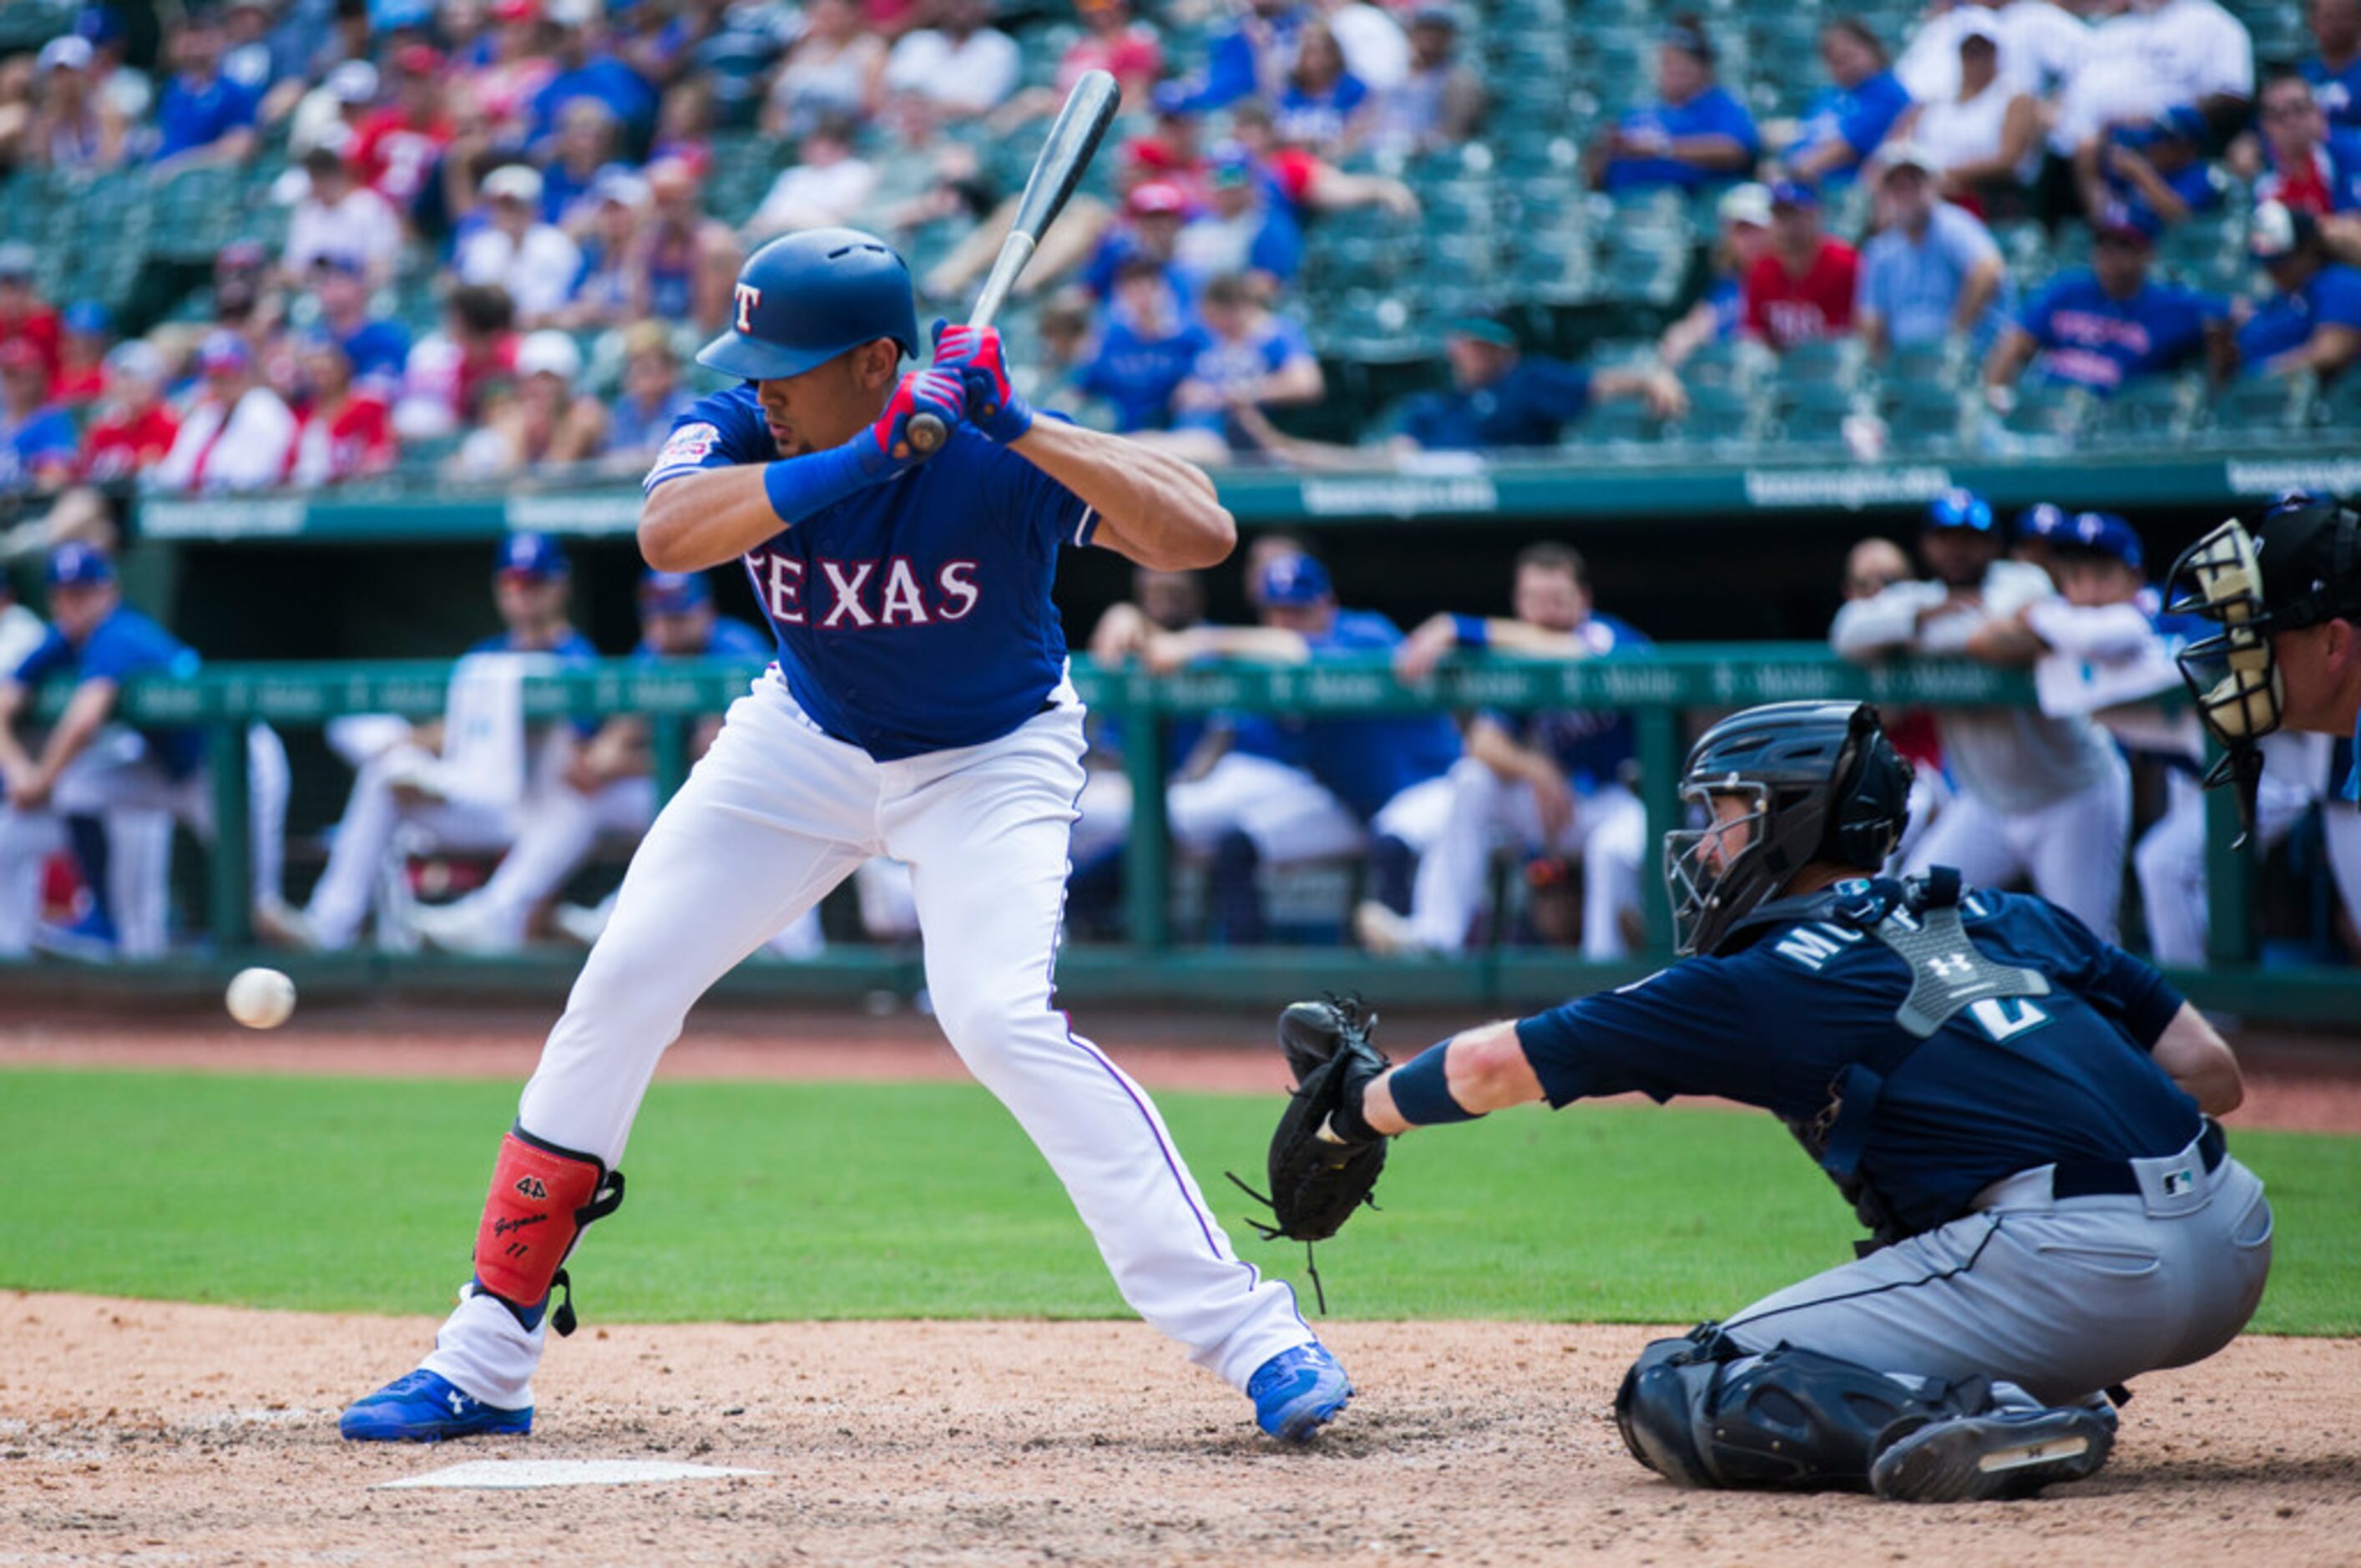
[{"x": 513, "y": 1474}]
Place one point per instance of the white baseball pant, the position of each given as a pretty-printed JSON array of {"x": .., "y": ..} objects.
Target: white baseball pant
[
  {"x": 1292, "y": 817},
  {"x": 374, "y": 818},
  {"x": 1609, "y": 830},
  {"x": 2071, "y": 850},
  {"x": 772, "y": 817},
  {"x": 116, "y": 781}
]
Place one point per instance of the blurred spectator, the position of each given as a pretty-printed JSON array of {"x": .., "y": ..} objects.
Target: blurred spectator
[
  {"x": 2336, "y": 72},
  {"x": 447, "y": 374},
  {"x": 244, "y": 298},
  {"x": 1718, "y": 316},
  {"x": 202, "y": 116},
  {"x": 1247, "y": 226},
  {"x": 687, "y": 262},
  {"x": 123, "y": 88},
  {"x": 133, "y": 428},
  {"x": 1933, "y": 272},
  {"x": 1253, "y": 359},
  {"x": 585, "y": 69},
  {"x": 348, "y": 429},
  {"x": 542, "y": 422},
  {"x": 376, "y": 348},
  {"x": 606, "y": 293},
  {"x": 18, "y": 111},
  {"x": 1319, "y": 104},
  {"x": 1150, "y": 231},
  {"x": 238, "y": 435},
  {"x": 74, "y": 128},
  {"x": 1374, "y": 47},
  {"x": 1146, "y": 348},
  {"x": 37, "y": 437},
  {"x": 2307, "y": 166},
  {"x": 335, "y": 111},
  {"x": 585, "y": 143},
  {"x": 1844, "y": 124},
  {"x": 82, "y": 354},
  {"x": 1803, "y": 287},
  {"x": 2154, "y": 175},
  {"x": 2312, "y": 319},
  {"x": 1695, "y": 134},
  {"x": 1500, "y": 396},
  {"x": 1255, "y": 49},
  {"x": 1441, "y": 99},
  {"x": 2039, "y": 47},
  {"x": 835, "y": 72},
  {"x": 2152, "y": 56},
  {"x": 530, "y": 259},
  {"x": 250, "y": 58},
  {"x": 739, "y": 45},
  {"x": 961, "y": 67},
  {"x": 506, "y": 83},
  {"x": 401, "y": 144},
  {"x": 827, "y": 184},
  {"x": 1062, "y": 332},
  {"x": 24, "y": 314},
  {"x": 1985, "y": 133},
  {"x": 2102, "y": 325},
  {"x": 684, "y": 124},
  {"x": 340, "y": 215},
  {"x": 1112, "y": 41},
  {"x": 1548, "y": 784},
  {"x": 653, "y": 396}
]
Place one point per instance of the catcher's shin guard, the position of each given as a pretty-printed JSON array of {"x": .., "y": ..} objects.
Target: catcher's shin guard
[
  {"x": 541, "y": 1199},
  {"x": 1700, "y": 1411}
]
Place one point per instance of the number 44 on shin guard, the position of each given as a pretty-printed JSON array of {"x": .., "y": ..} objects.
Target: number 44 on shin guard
[{"x": 541, "y": 1197}]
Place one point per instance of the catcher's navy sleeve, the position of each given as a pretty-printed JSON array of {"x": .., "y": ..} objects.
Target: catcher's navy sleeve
[{"x": 1677, "y": 1032}]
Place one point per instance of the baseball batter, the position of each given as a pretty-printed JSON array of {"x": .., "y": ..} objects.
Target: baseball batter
[
  {"x": 2041, "y": 796},
  {"x": 2016, "y": 1109},
  {"x": 919, "y": 708}
]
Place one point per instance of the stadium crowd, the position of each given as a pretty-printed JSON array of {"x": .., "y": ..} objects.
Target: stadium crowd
[{"x": 496, "y": 228}]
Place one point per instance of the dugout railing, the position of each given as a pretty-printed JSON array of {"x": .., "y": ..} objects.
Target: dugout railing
[{"x": 1665, "y": 693}]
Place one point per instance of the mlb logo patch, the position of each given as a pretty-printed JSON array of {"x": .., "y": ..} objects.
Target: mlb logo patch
[
  {"x": 2177, "y": 1182},
  {"x": 689, "y": 444}
]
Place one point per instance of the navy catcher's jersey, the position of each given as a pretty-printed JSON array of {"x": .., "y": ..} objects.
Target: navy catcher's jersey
[
  {"x": 2003, "y": 1085},
  {"x": 913, "y": 615}
]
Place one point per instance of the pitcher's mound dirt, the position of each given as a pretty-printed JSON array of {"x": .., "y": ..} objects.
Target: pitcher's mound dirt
[{"x": 135, "y": 1430}]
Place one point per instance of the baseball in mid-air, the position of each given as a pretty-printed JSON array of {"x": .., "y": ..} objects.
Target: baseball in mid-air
[{"x": 261, "y": 998}]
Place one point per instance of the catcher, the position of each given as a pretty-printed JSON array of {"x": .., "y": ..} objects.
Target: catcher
[{"x": 2016, "y": 1110}]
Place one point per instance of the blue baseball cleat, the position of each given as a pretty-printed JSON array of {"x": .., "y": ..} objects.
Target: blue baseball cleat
[
  {"x": 1298, "y": 1391},
  {"x": 425, "y": 1407}
]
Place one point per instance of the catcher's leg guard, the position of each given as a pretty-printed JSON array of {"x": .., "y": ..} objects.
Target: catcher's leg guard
[
  {"x": 542, "y": 1196},
  {"x": 1700, "y": 1411}
]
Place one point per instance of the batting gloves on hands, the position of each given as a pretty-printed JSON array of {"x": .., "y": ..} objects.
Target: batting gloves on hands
[
  {"x": 974, "y": 355},
  {"x": 936, "y": 392}
]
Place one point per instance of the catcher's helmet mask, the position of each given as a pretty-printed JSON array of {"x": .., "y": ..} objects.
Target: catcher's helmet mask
[{"x": 1822, "y": 783}]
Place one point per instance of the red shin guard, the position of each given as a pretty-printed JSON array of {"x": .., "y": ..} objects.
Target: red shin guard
[{"x": 542, "y": 1196}]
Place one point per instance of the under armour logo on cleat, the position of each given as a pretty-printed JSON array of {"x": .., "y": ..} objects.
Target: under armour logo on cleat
[{"x": 458, "y": 1403}]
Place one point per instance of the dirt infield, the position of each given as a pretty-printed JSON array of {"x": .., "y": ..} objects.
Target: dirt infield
[
  {"x": 146, "y": 1432},
  {"x": 138, "y": 1432}
]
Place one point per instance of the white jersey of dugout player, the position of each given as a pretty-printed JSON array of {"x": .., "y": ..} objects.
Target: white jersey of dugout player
[
  {"x": 2040, "y": 796},
  {"x": 2110, "y": 664}
]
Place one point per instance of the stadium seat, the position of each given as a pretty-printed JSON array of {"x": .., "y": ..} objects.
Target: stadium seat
[
  {"x": 2260, "y": 408},
  {"x": 2048, "y": 410},
  {"x": 2146, "y": 410}
]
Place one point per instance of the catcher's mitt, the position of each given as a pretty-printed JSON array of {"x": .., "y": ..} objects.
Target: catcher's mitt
[{"x": 1319, "y": 1174}]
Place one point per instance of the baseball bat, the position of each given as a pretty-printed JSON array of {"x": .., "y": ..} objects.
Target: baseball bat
[{"x": 1080, "y": 126}]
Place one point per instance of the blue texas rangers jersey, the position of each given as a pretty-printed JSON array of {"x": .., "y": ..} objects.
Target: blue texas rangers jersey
[
  {"x": 2003, "y": 1085},
  {"x": 1366, "y": 762},
  {"x": 127, "y": 643},
  {"x": 913, "y": 615},
  {"x": 1590, "y": 746}
]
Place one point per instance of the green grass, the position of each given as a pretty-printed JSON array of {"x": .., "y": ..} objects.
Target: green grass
[{"x": 792, "y": 1201}]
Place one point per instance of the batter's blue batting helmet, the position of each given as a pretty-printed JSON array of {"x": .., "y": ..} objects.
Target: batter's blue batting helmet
[{"x": 806, "y": 298}]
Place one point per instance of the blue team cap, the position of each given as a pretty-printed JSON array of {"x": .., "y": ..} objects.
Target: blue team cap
[
  {"x": 75, "y": 565},
  {"x": 1293, "y": 580},
  {"x": 2105, "y": 533},
  {"x": 88, "y": 317},
  {"x": 1793, "y": 193},
  {"x": 673, "y": 593},
  {"x": 1961, "y": 508},
  {"x": 2043, "y": 520},
  {"x": 531, "y": 555},
  {"x": 2182, "y": 122}
]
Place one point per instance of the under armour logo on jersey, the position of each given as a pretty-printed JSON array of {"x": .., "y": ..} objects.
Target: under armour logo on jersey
[
  {"x": 749, "y": 297},
  {"x": 863, "y": 595},
  {"x": 1951, "y": 967}
]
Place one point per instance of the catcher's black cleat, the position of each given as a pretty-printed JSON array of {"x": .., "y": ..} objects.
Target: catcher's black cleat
[{"x": 2007, "y": 1453}]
